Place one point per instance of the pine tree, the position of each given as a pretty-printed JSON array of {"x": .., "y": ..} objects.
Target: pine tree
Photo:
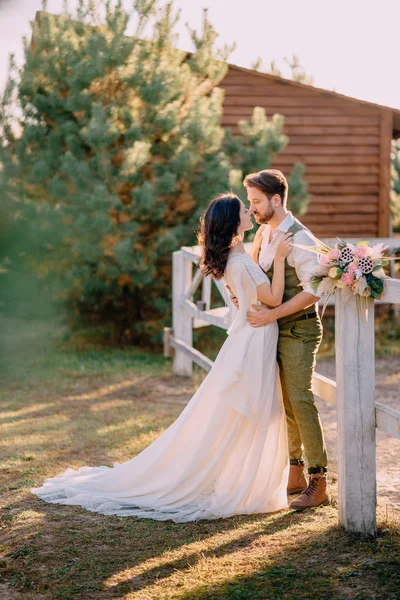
[
  {"x": 120, "y": 149},
  {"x": 297, "y": 72}
]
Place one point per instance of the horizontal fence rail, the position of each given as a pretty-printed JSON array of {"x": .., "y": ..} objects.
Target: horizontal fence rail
[{"x": 353, "y": 393}]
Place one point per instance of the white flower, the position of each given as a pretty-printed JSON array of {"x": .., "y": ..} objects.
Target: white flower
[
  {"x": 358, "y": 274},
  {"x": 321, "y": 270},
  {"x": 327, "y": 285},
  {"x": 333, "y": 272},
  {"x": 377, "y": 251},
  {"x": 380, "y": 274},
  {"x": 360, "y": 286}
]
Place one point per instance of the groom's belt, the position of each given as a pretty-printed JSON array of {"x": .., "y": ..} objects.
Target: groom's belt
[
  {"x": 307, "y": 316},
  {"x": 297, "y": 317}
]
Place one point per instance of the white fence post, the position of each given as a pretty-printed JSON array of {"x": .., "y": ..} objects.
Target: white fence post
[
  {"x": 355, "y": 379},
  {"x": 206, "y": 292},
  {"x": 181, "y": 321}
]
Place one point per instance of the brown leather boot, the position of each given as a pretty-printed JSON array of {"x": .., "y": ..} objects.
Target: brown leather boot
[
  {"x": 297, "y": 482},
  {"x": 315, "y": 494}
]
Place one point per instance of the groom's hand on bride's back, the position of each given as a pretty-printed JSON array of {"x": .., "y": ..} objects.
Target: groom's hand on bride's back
[
  {"x": 232, "y": 296},
  {"x": 260, "y": 316}
]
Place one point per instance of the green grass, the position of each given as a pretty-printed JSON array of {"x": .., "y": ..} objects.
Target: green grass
[{"x": 62, "y": 406}]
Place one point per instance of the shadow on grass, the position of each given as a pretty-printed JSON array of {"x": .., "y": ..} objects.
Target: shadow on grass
[
  {"x": 333, "y": 565},
  {"x": 279, "y": 522},
  {"x": 69, "y": 551}
]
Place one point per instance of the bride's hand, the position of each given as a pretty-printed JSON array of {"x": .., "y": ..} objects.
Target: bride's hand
[{"x": 284, "y": 246}]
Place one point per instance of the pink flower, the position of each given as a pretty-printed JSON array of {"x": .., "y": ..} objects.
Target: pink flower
[
  {"x": 352, "y": 269},
  {"x": 361, "y": 251},
  {"x": 333, "y": 254},
  {"x": 323, "y": 259},
  {"x": 347, "y": 279}
]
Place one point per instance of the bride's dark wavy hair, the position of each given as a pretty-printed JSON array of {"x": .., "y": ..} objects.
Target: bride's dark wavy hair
[{"x": 218, "y": 226}]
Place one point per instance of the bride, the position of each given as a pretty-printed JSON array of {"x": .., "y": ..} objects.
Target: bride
[{"x": 226, "y": 454}]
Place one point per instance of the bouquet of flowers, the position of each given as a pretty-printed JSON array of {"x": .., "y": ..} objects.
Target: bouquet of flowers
[{"x": 356, "y": 268}]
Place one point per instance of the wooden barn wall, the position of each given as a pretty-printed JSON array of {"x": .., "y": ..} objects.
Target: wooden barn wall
[{"x": 337, "y": 140}]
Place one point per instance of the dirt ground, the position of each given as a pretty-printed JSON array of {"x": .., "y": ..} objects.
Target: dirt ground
[{"x": 387, "y": 448}]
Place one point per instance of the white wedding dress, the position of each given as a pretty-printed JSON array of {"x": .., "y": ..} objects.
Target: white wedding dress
[{"x": 226, "y": 454}]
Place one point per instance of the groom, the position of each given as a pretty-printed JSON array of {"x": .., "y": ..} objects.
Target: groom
[{"x": 300, "y": 332}]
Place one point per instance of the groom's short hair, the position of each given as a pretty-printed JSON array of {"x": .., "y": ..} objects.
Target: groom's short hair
[{"x": 269, "y": 181}]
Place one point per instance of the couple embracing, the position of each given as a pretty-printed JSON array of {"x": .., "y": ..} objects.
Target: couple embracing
[{"x": 238, "y": 447}]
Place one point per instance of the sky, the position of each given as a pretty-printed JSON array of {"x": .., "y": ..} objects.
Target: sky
[{"x": 350, "y": 46}]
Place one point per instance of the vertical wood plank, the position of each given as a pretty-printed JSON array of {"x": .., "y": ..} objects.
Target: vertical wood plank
[
  {"x": 384, "y": 183},
  {"x": 206, "y": 292},
  {"x": 355, "y": 379},
  {"x": 181, "y": 321},
  {"x": 168, "y": 332}
]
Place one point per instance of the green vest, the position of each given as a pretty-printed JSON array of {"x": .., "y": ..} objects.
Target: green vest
[{"x": 292, "y": 282}]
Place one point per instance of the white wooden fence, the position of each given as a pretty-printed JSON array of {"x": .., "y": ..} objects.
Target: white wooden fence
[{"x": 358, "y": 415}]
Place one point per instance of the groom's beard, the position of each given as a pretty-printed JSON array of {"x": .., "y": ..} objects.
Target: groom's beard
[{"x": 261, "y": 219}]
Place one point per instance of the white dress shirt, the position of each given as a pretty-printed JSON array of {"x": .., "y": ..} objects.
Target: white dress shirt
[{"x": 303, "y": 261}]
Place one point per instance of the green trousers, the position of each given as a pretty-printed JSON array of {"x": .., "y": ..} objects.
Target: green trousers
[{"x": 298, "y": 344}]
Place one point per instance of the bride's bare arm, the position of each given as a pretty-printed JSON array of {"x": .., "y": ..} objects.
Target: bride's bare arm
[
  {"x": 255, "y": 249},
  {"x": 272, "y": 295}
]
